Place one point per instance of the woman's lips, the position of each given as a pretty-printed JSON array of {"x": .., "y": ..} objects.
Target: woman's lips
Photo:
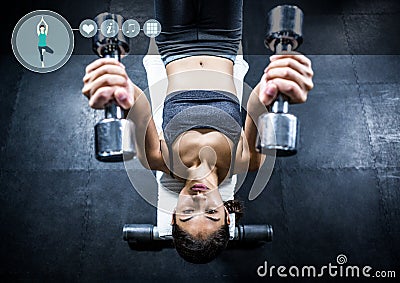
[{"x": 199, "y": 188}]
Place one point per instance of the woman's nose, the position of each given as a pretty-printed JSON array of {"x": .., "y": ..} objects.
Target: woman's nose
[
  {"x": 200, "y": 195},
  {"x": 200, "y": 198}
]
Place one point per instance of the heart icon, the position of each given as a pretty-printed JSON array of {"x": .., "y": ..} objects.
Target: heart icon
[{"x": 88, "y": 28}]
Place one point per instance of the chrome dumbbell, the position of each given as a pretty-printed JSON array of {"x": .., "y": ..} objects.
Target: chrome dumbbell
[
  {"x": 278, "y": 129},
  {"x": 114, "y": 135}
]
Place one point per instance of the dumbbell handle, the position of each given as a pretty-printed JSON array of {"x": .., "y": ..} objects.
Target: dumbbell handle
[
  {"x": 112, "y": 110},
  {"x": 281, "y": 104}
]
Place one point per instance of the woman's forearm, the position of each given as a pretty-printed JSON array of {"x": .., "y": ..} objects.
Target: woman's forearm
[
  {"x": 146, "y": 135},
  {"x": 254, "y": 109}
]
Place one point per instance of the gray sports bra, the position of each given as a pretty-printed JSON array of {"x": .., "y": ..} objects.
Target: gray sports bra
[{"x": 201, "y": 109}]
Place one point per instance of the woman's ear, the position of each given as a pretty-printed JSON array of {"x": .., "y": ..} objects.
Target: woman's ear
[{"x": 228, "y": 217}]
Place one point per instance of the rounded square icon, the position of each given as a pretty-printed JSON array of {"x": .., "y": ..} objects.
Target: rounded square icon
[
  {"x": 42, "y": 41},
  {"x": 152, "y": 28}
]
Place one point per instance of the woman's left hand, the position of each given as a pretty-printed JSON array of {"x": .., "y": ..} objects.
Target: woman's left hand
[{"x": 290, "y": 74}]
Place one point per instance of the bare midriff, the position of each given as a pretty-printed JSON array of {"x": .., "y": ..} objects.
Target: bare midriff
[{"x": 201, "y": 72}]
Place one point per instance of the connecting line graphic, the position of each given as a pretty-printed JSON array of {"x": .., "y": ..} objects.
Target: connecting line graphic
[
  {"x": 76, "y": 29},
  {"x": 110, "y": 28}
]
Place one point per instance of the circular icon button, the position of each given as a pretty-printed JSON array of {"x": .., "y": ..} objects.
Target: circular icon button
[
  {"x": 42, "y": 41},
  {"x": 88, "y": 28},
  {"x": 152, "y": 28},
  {"x": 109, "y": 28},
  {"x": 130, "y": 28}
]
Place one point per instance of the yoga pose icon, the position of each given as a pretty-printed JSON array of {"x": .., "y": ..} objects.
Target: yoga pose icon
[{"x": 42, "y": 30}]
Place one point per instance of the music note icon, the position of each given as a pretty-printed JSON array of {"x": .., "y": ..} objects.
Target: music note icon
[{"x": 130, "y": 28}]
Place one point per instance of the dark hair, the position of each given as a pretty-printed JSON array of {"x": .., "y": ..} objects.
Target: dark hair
[
  {"x": 235, "y": 206},
  {"x": 42, "y": 25},
  {"x": 199, "y": 250}
]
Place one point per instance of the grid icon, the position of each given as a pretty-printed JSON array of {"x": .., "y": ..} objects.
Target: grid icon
[{"x": 152, "y": 28}]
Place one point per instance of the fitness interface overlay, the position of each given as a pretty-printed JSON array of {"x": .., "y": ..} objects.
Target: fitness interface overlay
[{"x": 43, "y": 41}]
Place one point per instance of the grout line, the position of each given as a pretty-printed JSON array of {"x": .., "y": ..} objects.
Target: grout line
[
  {"x": 289, "y": 245},
  {"x": 386, "y": 224}
]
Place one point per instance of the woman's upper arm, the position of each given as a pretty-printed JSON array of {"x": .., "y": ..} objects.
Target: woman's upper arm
[
  {"x": 157, "y": 159},
  {"x": 247, "y": 160}
]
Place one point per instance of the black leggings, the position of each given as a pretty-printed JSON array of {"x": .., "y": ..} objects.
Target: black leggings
[
  {"x": 47, "y": 49},
  {"x": 198, "y": 27}
]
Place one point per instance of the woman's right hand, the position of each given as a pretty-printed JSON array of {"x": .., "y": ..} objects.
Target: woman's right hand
[{"x": 106, "y": 80}]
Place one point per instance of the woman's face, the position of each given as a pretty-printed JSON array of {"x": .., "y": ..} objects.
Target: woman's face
[
  {"x": 42, "y": 29},
  {"x": 200, "y": 210}
]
